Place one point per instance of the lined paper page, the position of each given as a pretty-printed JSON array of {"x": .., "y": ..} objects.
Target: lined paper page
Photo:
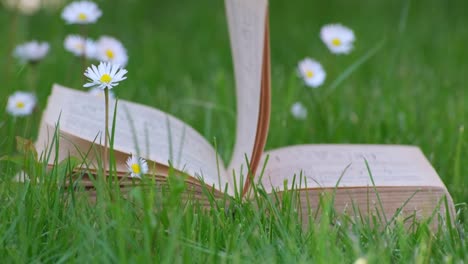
[
  {"x": 322, "y": 166},
  {"x": 158, "y": 136}
]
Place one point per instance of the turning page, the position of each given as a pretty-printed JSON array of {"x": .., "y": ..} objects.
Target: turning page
[{"x": 247, "y": 20}]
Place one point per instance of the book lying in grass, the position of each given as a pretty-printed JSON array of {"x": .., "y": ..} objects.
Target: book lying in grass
[{"x": 385, "y": 178}]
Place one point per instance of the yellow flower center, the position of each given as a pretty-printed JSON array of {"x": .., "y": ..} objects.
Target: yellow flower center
[
  {"x": 136, "y": 168},
  {"x": 82, "y": 16},
  {"x": 79, "y": 46},
  {"x": 106, "y": 78},
  {"x": 20, "y": 105},
  {"x": 336, "y": 42},
  {"x": 110, "y": 54},
  {"x": 309, "y": 74}
]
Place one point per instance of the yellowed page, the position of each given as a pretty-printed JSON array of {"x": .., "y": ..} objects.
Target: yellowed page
[
  {"x": 322, "y": 166},
  {"x": 77, "y": 147},
  {"x": 246, "y": 20},
  {"x": 264, "y": 116},
  {"x": 156, "y": 135},
  {"x": 410, "y": 202}
]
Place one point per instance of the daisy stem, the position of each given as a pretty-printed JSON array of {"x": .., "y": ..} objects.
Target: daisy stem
[
  {"x": 106, "y": 95},
  {"x": 84, "y": 34},
  {"x": 83, "y": 67},
  {"x": 12, "y": 134},
  {"x": 69, "y": 71},
  {"x": 32, "y": 78},
  {"x": 317, "y": 102}
]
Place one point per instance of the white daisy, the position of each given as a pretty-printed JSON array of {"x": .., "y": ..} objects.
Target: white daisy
[
  {"x": 360, "y": 260},
  {"x": 81, "y": 12},
  {"x": 106, "y": 75},
  {"x": 299, "y": 111},
  {"x": 26, "y": 7},
  {"x": 100, "y": 93},
  {"x": 137, "y": 166},
  {"x": 312, "y": 72},
  {"x": 21, "y": 103},
  {"x": 78, "y": 45},
  {"x": 112, "y": 50},
  {"x": 32, "y": 51},
  {"x": 338, "y": 38}
]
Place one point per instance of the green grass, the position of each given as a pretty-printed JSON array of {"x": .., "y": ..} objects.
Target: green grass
[{"x": 412, "y": 91}]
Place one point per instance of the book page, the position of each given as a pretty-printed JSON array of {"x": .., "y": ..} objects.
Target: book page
[
  {"x": 246, "y": 20},
  {"x": 71, "y": 146},
  {"x": 322, "y": 166},
  {"x": 155, "y": 135},
  {"x": 412, "y": 202},
  {"x": 264, "y": 115}
]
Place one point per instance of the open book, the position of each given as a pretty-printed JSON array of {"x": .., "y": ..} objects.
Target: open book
[{"x": 400, "y": 174}]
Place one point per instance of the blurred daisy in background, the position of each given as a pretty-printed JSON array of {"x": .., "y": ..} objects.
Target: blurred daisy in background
[
  {"x": 21, "y": 103},
  {"x": 100, "y": 92},
  {"x": 360, "y": 260},
  {"x": 32, "y": 51},
  {"x": 80, "y": 46},
  {"x": 312, "y": 72},
  {"x": 25, "y": 7},
  {"x": 299, "y": 111},
  {"x": 338, "y": 38},
  {"x": 81, "y": 12},
  {"x": 111, "y": 50},
  {"x": 106, "y": 75},
  {"x": 136, "y": 166}
]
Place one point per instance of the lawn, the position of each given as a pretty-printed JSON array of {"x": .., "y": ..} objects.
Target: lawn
[{"x": 411, "y": 90}]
